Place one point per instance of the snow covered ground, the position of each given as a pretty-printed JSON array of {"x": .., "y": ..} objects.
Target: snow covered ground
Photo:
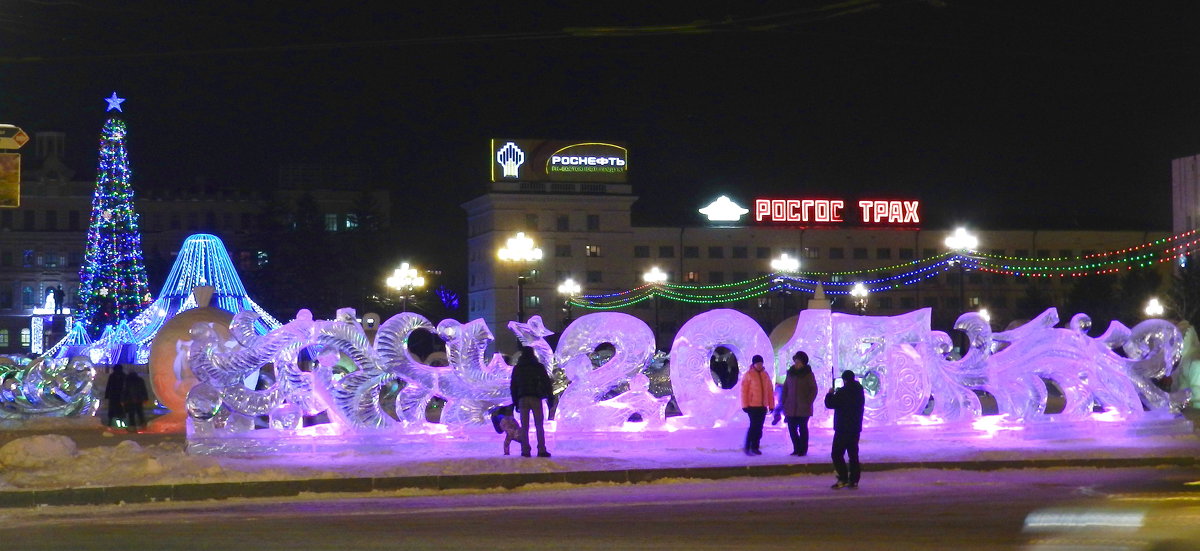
[{"x": 64, "y": 453}]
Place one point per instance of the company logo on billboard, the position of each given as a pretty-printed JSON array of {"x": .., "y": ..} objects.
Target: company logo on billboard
[
  {"x": 588, "y": 157},
  {"x": 510, "y": 158}
]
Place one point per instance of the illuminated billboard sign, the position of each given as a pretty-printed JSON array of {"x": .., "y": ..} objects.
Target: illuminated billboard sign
[
  {"x": 558, "y": 161},
  {"x": 870, "y": 212}
]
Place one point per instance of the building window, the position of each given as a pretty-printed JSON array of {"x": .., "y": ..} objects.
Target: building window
[
  {"x": 885, "y": 303},
  {"x": 533, "y": 301},
  {"x": 331, "y": 221},
  {"x": 716, "y": 277},
  {"x": 762, "y": 252},
  {"x": 740, "y": 276},
  {"x": 666, "y": 251},
  {"x": 6, "y": 258},
  {"x": 593, "y": 251},
  {"x": 859, "y": 253},
  {"x": 906, "y": 253},
  {"x": 29, "y": 220},
  {"x": 741, "y": 252},
  {"x": 27, "y": 297},
  {"x": 908, "y": 303},
  {"x": 594, "y": 276},
  {"x": 641, "y": 251},
  {"x": 1043, "y": 253},
  {"x": 1021, "y": 253},
  {"x": 52, "y": 220},
  {"x": 811, "y": 252},
  {"x": 691, "y": 252},
  {"x": 6, "y": 219},
  {"x": 27, "y": 258},
  {"x": 716, "y": 252},
  {"x": 1065, "y": 253},
  {"x": 531, "y": 222},
  {"x": 26, "y": 340},
  {"x": 997, "y": 252},
  {"x": 562, "y": 251},
  {"x": 837, "y": 253},
  {"x": 883, "y": 253},
  {"x": 4, "y": 338},
  {"x": 593, "y": 222},
  {"x": 691, "y": 277},
  {"x": 562, "y": 222}
]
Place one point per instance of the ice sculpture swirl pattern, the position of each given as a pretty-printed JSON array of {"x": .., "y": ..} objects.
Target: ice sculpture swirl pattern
[
  {"x": 908, "y": 369},
  {"x": 581, "y": 406}
]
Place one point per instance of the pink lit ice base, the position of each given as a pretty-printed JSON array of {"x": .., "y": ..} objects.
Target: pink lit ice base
[{"x": 375, "y": 390}]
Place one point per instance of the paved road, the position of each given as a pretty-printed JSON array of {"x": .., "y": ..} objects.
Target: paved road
[{"x": 892, "y": 510}]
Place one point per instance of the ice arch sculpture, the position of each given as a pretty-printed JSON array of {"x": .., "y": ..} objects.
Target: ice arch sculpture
[{"x": 366, "y": 381}]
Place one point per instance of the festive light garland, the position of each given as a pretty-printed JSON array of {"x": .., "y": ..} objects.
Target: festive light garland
[{"x": 840, "y": 283}]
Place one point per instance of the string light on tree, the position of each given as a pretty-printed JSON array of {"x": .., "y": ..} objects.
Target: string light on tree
[{"x": 112, "y": 280}]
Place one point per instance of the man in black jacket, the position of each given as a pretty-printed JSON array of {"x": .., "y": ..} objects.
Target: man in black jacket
[
  {"x": 530, "y": 384},
  {"x": 847, "y": 404}
]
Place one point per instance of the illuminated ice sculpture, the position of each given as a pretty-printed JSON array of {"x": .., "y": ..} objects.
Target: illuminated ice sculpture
[{"x": 909, "y": 371}]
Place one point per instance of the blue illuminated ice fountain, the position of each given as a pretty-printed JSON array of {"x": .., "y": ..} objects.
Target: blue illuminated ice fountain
[{"x": 202, "y": 261}]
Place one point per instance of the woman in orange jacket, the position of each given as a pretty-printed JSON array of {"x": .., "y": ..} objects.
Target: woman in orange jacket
[{"x": 758, "y": 397}]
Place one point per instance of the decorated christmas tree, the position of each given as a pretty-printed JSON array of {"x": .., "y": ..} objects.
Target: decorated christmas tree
[{"x": 112, "y": 280}]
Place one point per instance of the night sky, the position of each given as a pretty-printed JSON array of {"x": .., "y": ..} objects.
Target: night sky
[{"x": 995, "y": 114}]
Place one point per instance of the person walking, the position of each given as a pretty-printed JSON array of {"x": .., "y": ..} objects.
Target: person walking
[
  {"x": 114, "y": 392},
  {"x": 134, "y": 396},
  {"x": 796, "y": 401},
  {"x": 530, "y": 385},
  {"x": 758, "y": 397},
  {"x": 847, "y": 404}
]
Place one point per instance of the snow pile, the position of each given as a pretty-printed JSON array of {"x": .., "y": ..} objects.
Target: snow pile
[{"x": 37, "y": 451}]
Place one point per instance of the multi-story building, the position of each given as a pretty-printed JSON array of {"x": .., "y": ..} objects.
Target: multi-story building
[{"x": 586, "y": 232}]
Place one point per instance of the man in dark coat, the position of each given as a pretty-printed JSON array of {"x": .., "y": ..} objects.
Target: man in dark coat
[
  {"x": 530, "y": 385},
  {"x": 847, "y": 404},
  {"x": 114, "y": 392},
  {"x": 134, "y": 396}
]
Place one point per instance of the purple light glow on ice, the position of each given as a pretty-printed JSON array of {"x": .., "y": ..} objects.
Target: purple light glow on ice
[{"x": 908, "y": 370}]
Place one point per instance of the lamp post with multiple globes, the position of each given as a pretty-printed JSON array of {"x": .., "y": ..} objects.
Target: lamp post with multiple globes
[
  {"x": 520, "y": 250},
  {"x": 404, "y": 280},
  {"x": 568, "y": 289}
]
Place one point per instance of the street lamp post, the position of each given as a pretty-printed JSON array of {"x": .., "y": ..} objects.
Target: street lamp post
[
  {"x": 404, "y": 280},
  {"x": 961, "y": 242},
  {"x": 785, "y": 265},
  {"x": 520, "y": 249},
  {"x": 569, "y": 289},
  {"x": 860, "y": 293},
  {"x": 655, "y": 277}
]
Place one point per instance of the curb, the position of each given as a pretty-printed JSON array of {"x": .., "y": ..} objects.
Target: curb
[{"x": 113, "y": 495}]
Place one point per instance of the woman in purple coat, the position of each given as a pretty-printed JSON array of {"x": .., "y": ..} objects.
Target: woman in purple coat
[{"x": 796, "y": 400}]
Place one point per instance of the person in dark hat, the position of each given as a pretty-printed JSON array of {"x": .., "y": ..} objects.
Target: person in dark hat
[
  {"x": 758, "y": 397},
  {"x": 797, "y": 395},
  {"x": 847, "y": 404}
]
